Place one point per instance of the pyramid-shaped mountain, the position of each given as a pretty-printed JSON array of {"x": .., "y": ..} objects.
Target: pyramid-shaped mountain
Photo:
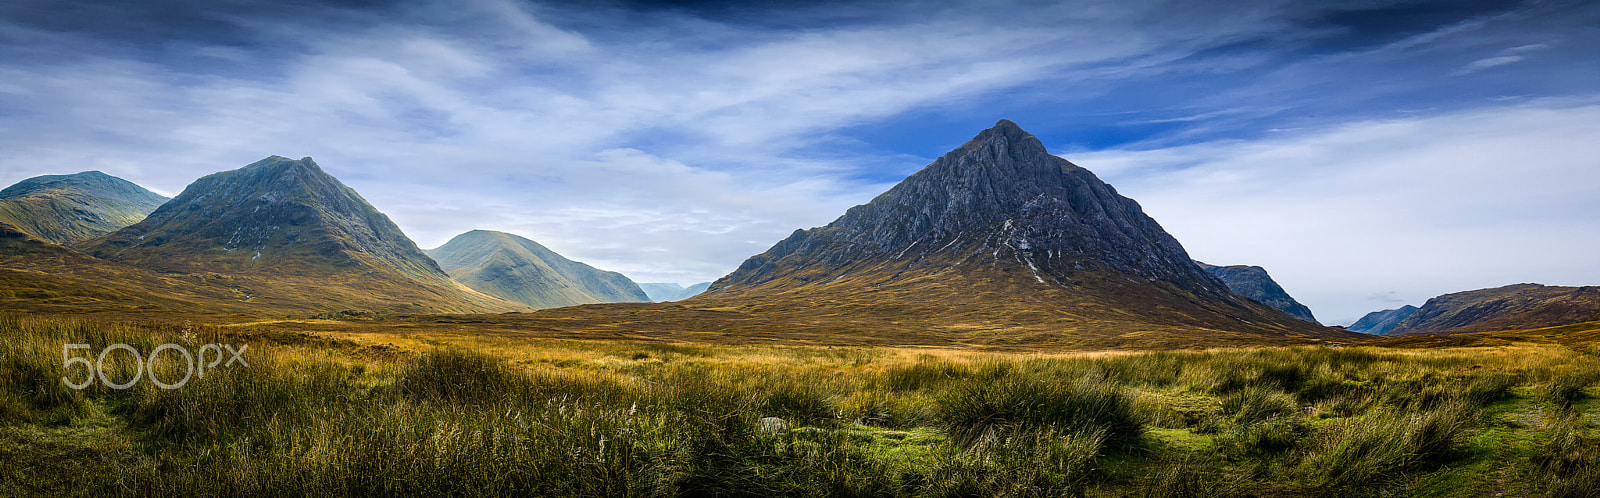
[
  {"x": 1001, "y": 238},
  {"x": 520, "y": 270},
  {"x": 1254, "y": 282},
  {"x": 296, "y": 237},
  {"x": 65, "y": 209}
]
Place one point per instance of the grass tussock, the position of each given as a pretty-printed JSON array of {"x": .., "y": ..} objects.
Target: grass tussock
[{"x": 622, "y": 419}]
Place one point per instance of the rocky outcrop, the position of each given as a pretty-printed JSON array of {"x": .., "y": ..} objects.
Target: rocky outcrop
[{"x": 1254, "y": 282}]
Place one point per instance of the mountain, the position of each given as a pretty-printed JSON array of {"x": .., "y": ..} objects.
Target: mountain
[
  {"x": 1254, "y": 282},
  {"x": 520, "y": 270},
  {"x": 999, "y": 240},
  {"x": 1520, "y": 306},
  {"x": 690, "y": 291},
  {"x": 65, "y": 209},
  {"x": 659, "y": 292},
  {"x": 291, "y": 237},
  {"x": 1380, "y": 322}
]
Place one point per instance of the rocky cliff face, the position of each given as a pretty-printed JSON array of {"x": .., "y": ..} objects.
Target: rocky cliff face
[
  {"x": 1520, "y": 306},
  {"x": 520, "y": 270},
  {"x": 66, "y": 209},
  {"x": 1254, "y": 282},
  {"x": 993, "y": 227},
  {"x": 1380, "y": 322},
  {"x": 292, "y": 228}
]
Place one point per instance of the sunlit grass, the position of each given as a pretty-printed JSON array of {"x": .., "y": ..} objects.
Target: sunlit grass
[{"x": 432, "y": 415}]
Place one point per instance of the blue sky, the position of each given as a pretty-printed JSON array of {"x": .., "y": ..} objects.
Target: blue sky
[{"x": 1368, "y": 154}]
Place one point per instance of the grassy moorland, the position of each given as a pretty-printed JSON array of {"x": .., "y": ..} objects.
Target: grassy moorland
[{"x": 326, "y": 415}]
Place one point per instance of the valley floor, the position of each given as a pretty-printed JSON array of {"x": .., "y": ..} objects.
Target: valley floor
[{"x": 330, "y": 409}]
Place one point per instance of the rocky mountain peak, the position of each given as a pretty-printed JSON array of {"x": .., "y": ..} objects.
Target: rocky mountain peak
[
  {"x": 1001, "y": 240},
  {"x": 1001, "y": 196},
  {"x": 1254, "y": 282}
]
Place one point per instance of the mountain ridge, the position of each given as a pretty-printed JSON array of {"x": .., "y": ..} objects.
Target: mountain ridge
[{"x": 1510, "y": 307}]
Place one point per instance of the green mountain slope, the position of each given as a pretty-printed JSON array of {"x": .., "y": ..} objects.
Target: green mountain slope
[
  {"x": 65, "y": 209},
  {"x": 293, "y": 237},
  {"x": 520, "y": 270}
]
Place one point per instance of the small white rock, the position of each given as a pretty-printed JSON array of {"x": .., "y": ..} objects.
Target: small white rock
[{"x": 772, "y": 425}]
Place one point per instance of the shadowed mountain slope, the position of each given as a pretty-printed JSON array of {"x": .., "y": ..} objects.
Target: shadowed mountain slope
[
  {"x": 1520, "y": 306},
  {"x": 65, "y": 209},
  {"x": 1254, "y": 282},
  {"x": 1380, "y": 322},
  {"x": 520, "y": 270},
  {"x": 291, "y": 237},
  {"x": 998, "y": 239}
]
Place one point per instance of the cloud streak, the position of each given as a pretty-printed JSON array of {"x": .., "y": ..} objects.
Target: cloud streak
[{"x": 672, "y": 144}]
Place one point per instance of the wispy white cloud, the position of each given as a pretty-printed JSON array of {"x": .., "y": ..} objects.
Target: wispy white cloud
[
  {"x": 1411, "y": 208},
  {"x": 669, "y": 150},
  {"x": 1488, "y": 62}
]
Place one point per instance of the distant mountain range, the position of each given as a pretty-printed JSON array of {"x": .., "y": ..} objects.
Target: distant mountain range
[
  {"x": 520, "y": 270},
  {"x": 660, "y": 291},
  {"x": 287, "y": 235},
  {"x": 1380, "y": 322},
  {"x": 1254, "y": 282},
  {"x": 1001, "y": 236},
  {"x": 66, "y": 209},
  {"x": 663, "y": 292},
  {"x": 997, "y": 243}
]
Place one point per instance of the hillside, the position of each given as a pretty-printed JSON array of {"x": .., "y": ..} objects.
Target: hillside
[
  {"x": 42, "y": 277},
  {"x": 66, "y": 209},
  {"x": 1519, "y": 306},
  {"x": 520, "y": 270}
]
